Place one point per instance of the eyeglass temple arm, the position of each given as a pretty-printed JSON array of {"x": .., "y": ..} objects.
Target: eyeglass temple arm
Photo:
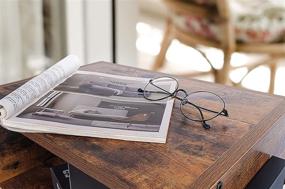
[
  {"x": 224, "y": 112},
  {"x": 140, "y": 90},
  {"x": 204, "y": 124}
]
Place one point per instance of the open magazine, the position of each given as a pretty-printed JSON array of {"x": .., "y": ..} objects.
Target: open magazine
[{"x": 65, "y": 100}]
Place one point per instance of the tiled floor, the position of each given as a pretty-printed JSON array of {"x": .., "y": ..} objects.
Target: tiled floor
[{"x": 182, "y": 59}]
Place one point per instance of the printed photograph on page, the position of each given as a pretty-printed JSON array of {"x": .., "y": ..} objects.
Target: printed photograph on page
[
  {"x": 94, "y": 111},
  {"x": 104, "y": 86}
]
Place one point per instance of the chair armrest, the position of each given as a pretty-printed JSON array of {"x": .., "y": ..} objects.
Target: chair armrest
[{"x": 185, "y": 8}]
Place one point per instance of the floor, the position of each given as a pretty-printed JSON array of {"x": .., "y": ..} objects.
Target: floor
[{"x": 182, "y": 59}]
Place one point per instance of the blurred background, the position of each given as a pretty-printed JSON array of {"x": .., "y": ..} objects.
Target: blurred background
[{"x": 234, "y": 42}]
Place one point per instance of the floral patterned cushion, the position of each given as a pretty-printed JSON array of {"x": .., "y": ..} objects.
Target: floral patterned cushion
[{"x": 255, "y": 22}]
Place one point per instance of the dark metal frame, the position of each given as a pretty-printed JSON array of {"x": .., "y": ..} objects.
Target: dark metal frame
[{"x": 185, "y": 101}]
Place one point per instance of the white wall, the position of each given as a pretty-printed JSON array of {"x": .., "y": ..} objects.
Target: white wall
[
  {"x": 75, "y": 29},
  {"x": 21, "y": 39},
  {"x": 98, "y": 33},
  {"x": 89, "y": 30},
  {"x": 126, "y": 19}
]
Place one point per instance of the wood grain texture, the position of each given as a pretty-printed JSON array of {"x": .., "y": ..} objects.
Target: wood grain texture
[
  {"x": 17, "y": 153},
  {"x": 240, "y": 173},
  {"x": 192, "y": 157},
  {"x": 38, "y": 177}
]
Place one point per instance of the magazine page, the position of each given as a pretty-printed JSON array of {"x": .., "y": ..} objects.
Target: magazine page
[
  {"x": 100, "y": 105},
  {"x": 37, "y": 86}
]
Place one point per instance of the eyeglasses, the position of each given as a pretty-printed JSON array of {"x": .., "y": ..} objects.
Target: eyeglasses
[{"x": 198, "y": 106}]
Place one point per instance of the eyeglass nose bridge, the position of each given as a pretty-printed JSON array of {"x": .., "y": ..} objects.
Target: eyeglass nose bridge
[
  {"x": 184, "y": 101},
  {"x": 183, "y": 91}
]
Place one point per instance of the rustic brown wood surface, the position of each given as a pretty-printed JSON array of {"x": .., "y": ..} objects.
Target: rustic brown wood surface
[
  {"x": 17, "y": 153},
  {"x": 38, "y": 177},
  {"x": 192, "y": 157}
]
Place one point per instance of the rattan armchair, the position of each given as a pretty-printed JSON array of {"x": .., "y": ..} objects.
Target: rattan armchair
[{"x": 227, "y": 42}]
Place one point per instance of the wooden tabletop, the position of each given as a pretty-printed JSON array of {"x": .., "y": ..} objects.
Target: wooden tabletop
[{"x": 230, "y": 153}]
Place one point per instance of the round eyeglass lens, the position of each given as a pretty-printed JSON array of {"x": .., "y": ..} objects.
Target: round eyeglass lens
[
  {"x": 209, "y": 104},
  {"x": 160, "y": 88}
]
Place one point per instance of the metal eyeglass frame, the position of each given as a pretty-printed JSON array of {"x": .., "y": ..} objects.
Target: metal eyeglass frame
[{"x": 184, "y": 101}]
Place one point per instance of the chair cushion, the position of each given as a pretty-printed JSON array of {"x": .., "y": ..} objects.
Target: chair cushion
[{"x": 253, "y": 22}]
